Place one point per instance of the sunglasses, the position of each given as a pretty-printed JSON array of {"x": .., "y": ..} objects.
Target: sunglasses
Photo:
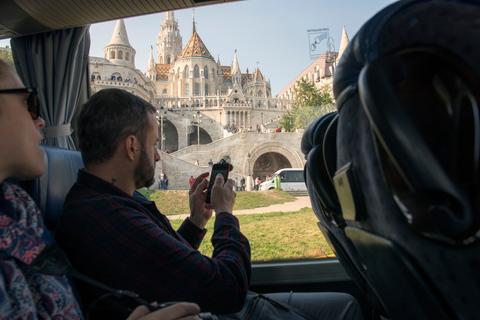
[{"x": 32, "y": 99}]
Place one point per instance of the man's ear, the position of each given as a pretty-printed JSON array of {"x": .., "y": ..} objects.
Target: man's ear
[{"x": 132, "y": 147}]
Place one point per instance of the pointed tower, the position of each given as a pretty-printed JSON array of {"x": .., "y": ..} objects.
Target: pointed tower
[
  {"x": 236, "y": 74},
  {"x": 169, "y": 40},
  {"x": 195, "y": 48},
  {"x": 119, "y": 50},
  {"x": 343, "y": 44},
  {"x": 152, "y": 67}
]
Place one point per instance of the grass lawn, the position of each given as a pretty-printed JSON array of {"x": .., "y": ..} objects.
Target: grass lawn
[{"x": 272, "y": 236}]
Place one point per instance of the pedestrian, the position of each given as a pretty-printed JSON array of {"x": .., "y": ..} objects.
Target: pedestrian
[
  {"x": 242, "y": 183},
  {"x": 256, "y": 183},
  {"x": 235, "y": 187},
  {"x": 163, "y": 184},
  {"x": 210, "y": 163},
  {"x": 191, "y": 180},
  {"x": 197, "y": 163}
]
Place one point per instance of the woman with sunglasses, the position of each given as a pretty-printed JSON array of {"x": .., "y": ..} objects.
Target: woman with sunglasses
[{"x": 24, "y": 293}]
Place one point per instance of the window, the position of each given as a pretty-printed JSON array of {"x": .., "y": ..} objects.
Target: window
[
  {"x": 112, "y": 54},
  {"x": 187, "y": 72},
  {"x": 164, "y": 91},
  {"x": 206, "y": 89},
  {"x": 196, "y": 72},
  {"x": 127, "y": 55},
  {"x": 205, "y": 72},
  {"x": 213, "y": 73},
  {"x": 196, "y": 89},
  {"x": 187, "y": 90},
  {"x": 294, "y": 176},
  {"x": 120, "y": 54},
  {"x": 168, "y": 60}
]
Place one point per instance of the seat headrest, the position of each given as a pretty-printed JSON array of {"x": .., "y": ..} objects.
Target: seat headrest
[{"x": 49, "y": 191}]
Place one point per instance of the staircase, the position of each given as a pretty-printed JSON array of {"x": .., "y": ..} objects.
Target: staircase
[{"x": 298, "y": 193}]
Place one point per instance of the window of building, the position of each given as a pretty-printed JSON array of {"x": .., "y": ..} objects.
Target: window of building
[
  {"x": 205, "y": 72},
  {"x": 187, "y": 90},
  {"x": 213, "y": 73},
  {"x": 196, "y": 89},
  {"x": 120, "y": 54},
  {"x": 112, "y": 54},
  {"x": 127, "y": 55},
  {"x": 196, "y": 72},
  {"x": 168, "y": 60},
  {"x": 186, "y": 72},
  {"x": 206, "y": 89},
  {"x": 164, "y": 91}
]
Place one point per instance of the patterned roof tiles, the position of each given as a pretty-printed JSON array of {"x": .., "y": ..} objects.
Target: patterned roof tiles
[
  {"x": 195, "y": 48},
  {"x": 226, "y": 73},
  {"x": 162, "y": 71}
]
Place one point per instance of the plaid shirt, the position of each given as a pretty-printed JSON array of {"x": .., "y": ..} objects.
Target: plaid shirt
[{"x": 126, "y": 243}]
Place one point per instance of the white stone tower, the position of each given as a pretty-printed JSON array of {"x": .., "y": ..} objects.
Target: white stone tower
[
  {"x": 236, "y": 74},
  {"x": 169, "y": 40},
  {"x": 151, "y": 72},
  {"x": 119, "y": 51}
]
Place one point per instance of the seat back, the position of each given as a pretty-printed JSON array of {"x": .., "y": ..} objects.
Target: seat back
[
  {"x": 401, "y": 203},
  {"x": 49, "y": 191}
]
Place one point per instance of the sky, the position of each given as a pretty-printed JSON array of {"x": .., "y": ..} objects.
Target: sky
[{"x": 272, "y": 33}]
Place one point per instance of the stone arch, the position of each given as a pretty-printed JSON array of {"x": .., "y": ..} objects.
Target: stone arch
[
  {"x": 271, "y": 147},
  {"x": 205, "y": 137},
  {"x": 120, "y": 54},
  {"x": 170, "y": 135},
  {"x": 112, "y": 54}
]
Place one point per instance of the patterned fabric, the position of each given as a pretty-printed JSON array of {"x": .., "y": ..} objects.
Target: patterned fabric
[
  {"x": 126, "y": 243},
  {"x": 25, "y": 294}
]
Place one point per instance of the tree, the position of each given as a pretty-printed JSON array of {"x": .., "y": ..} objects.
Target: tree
[
  {"x": 310, "y": 103},
  {"x": 7, "y": 57}
]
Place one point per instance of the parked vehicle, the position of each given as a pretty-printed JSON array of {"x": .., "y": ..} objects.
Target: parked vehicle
[{"x": 290, "y": 179}]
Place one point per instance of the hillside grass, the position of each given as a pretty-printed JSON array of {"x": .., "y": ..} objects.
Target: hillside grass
[
  {"x": 273, "y": 236},
  {"x": 174, "y": 202}
]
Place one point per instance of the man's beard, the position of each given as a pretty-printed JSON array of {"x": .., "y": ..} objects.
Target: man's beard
[{"x": 144, "y": 172}]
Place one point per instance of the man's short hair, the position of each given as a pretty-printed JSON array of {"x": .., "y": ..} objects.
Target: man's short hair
[{"x": 108, "y": 117}]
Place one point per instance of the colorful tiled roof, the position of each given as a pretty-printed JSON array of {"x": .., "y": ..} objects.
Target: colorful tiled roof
[
  {"x": 162, "y": 71},
  {"x": 195, "y": 48},
  {"x": 226, "y": 73},
  {"x": 257, "y": 75}
]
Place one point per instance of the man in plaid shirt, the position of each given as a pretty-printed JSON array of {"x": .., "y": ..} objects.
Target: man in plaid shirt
[{"x": 113, "y": 234}]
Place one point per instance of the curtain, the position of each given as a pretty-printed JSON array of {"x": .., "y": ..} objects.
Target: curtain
[{"x": 56, "y": 63}]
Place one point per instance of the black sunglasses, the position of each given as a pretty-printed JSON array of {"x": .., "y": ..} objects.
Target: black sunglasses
[{"x": 32, "y": 99}]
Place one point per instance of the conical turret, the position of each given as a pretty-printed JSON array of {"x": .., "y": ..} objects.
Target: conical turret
[
  {"x": 151, "y": 69},
  {"x": 343, "y": 44},
  {"x": 119, "y": 50}
]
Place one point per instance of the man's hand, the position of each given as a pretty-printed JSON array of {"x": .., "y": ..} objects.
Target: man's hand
[
  {"x": 200, "y": 211},
  {"x": 223, "y": 196}
]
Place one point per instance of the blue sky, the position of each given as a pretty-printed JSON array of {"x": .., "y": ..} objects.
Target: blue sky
[{"x": 270, "y": 32}]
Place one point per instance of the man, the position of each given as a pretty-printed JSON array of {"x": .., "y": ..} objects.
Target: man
[
  {"x": 210, "y": 163},
  {"x": 115, "y": 235},
  {"x": 191, "y": 180},
  {"x": 27, "y": 294},
  {"x": 242, "y": 184}
]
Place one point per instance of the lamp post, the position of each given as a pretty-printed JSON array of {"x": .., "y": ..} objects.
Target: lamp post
[
  {"x": 199, "y": 117},
  {"x": 162, "y": 132}
]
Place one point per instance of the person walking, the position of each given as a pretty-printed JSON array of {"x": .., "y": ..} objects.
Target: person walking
[
  {"x": 191, "y": 180},
  {"x": 242, "y": 184}
]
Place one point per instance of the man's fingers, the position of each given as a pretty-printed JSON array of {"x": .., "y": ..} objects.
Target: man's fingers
[{"x": 197, "y": 181}]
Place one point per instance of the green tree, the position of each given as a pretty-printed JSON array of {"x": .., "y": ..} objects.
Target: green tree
[
  {"x": 7, "y": 57},
  {"x": 310, "y": 103}
]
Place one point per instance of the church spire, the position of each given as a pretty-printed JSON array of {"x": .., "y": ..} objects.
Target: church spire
[
  {"x": 193, "y": 28},
  {"x": 343, "y": 44},
  {"x": 151, "y": 62},
  {"x": 151, "y": 69},
  {"x": 236, "y": 67}
]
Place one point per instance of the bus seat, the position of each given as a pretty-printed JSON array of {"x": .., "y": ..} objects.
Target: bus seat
[
  {"x": 394, "y": 177},
  {"x": 49, "y": 191}
]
